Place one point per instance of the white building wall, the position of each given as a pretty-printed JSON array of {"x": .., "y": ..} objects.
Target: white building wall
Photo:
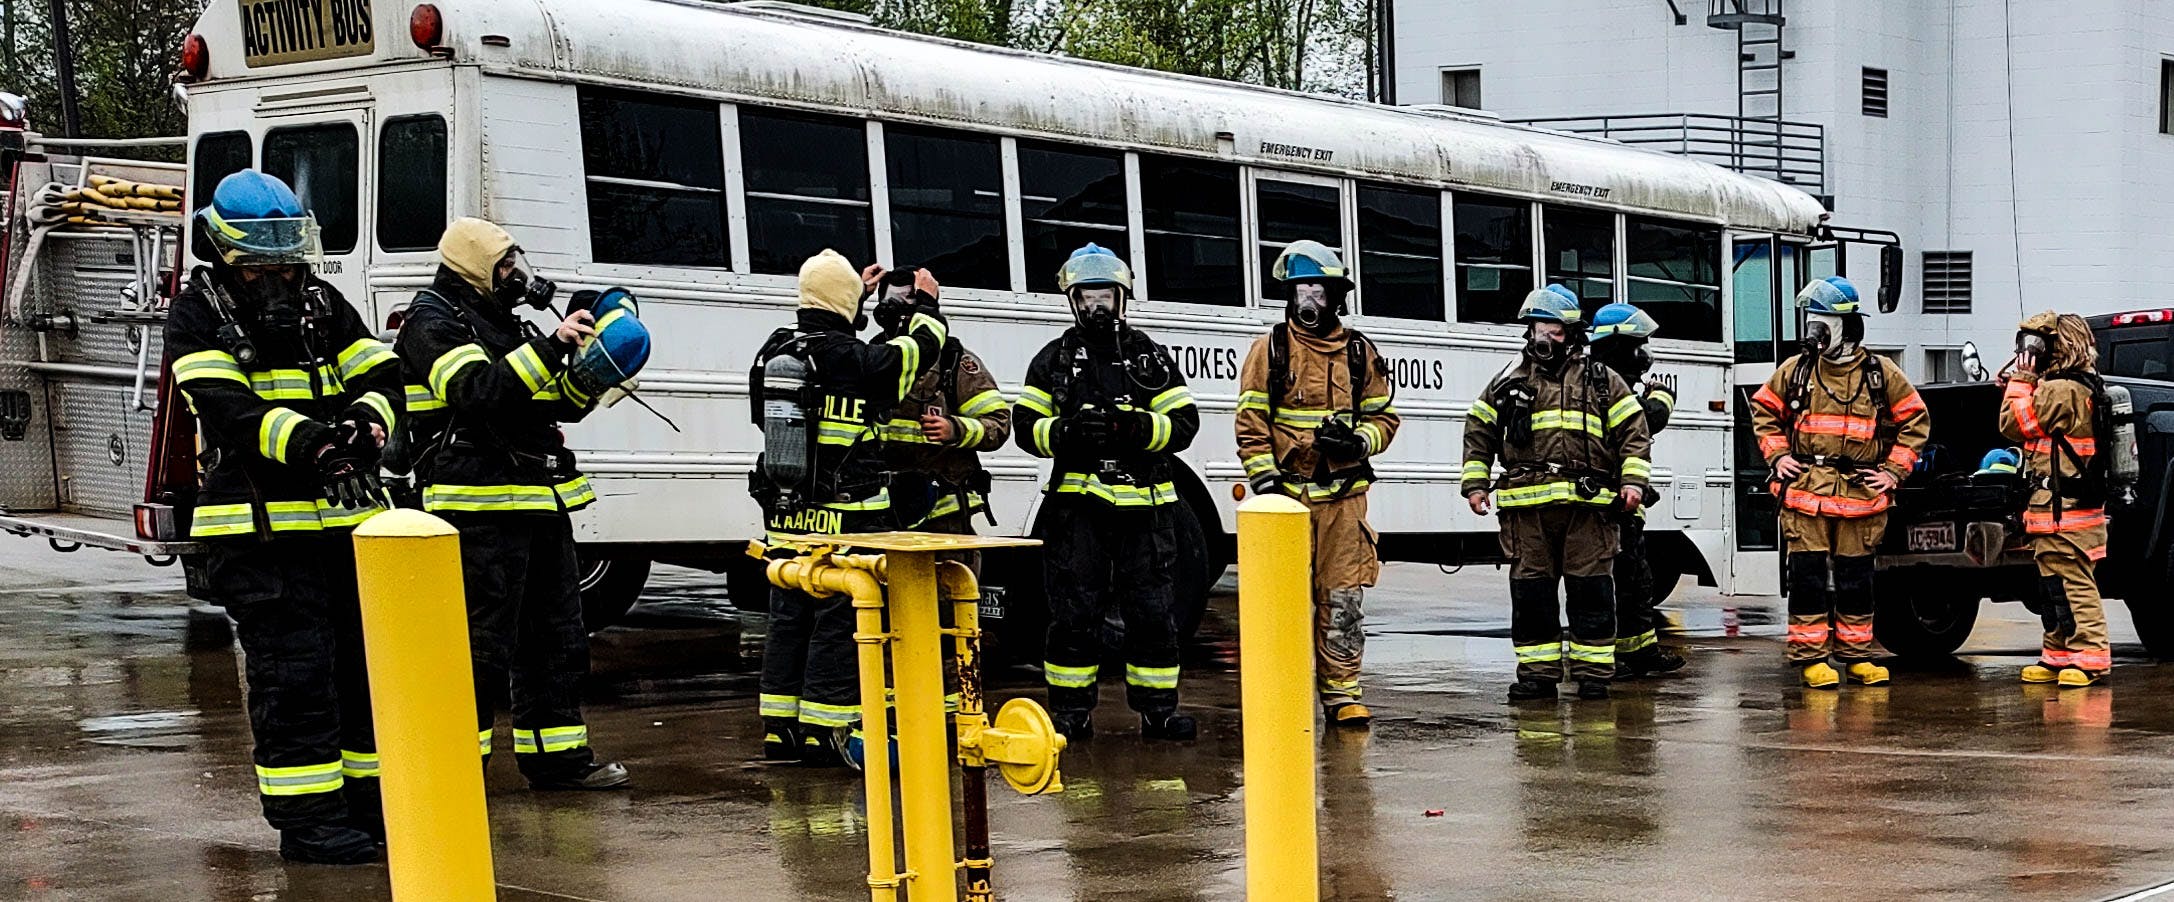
[{"x": 2013, "y": 127}]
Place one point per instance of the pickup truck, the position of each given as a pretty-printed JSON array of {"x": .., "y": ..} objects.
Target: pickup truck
[{"x": 1954, "y": 539}]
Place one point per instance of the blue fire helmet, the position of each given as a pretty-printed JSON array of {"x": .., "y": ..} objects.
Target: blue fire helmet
[
  {"x": 1310, "y": 261},
  {"x": 1623, "y": 320},
  {"x": 1998, "y": 460},
  {"x": 1094, "y": 266},
  {"x": 1553, "y": 304},
  {"x": 616, "y": 354},
  {"x": 256, "y": 220},
  {"x": 1832, "y": 295}
]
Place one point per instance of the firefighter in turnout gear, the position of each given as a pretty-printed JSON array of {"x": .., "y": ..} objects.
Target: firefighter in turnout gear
[
  {"x": 1572, "y": 442},
  {"x": 934, "y": 438},
  {"x": 824, "y": 395},
  {"x": 294, "y": 397},
  {"x": 2049, "y": 406},
  {"x": 1110, "y": 406},
  {"x": 1841, "y": 427},
  {"x": 488, "y": 391},
  {"x": 1313, "y": 407},
  {"x": 1620, "y": 333}
]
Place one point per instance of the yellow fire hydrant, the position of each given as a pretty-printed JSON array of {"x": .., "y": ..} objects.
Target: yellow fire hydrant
[{"x": 1022, "y": 743}]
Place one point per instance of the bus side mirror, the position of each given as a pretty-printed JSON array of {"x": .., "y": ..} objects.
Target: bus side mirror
[{"x": 1890, "y": 278}]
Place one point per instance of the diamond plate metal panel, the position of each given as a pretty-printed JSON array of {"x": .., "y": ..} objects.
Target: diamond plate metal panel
[{"x": 99, "y": 446}]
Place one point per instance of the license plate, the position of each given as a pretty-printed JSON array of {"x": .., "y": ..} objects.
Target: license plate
[
  {"x": 1932, "y": 537},
  {"x": 992, "y": 602}
]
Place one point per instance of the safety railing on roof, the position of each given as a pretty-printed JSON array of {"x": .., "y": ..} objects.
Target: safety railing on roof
[{"x": 1793, "y": 153}]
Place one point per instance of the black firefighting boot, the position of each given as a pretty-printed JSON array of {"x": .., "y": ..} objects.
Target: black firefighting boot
[
  {"x": 1593, "y": 690},
  {"x": 595, "y": 777},
  {"x": 1531, "y": 690},
  {"x": 781, "y": 738},
  {"x": 1074, "y": 725},
  {"x": 327, "y": 844},
  {"x": 1648, "y": 661},
  {"x": 1168, "y": 725}
]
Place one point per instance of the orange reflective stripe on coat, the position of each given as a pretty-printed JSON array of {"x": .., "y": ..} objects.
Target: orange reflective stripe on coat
[
  {"x": 1831, "y": 505},
  {"x": 1857, "y": 428},
  {"x": 1908, "y": 407},
  {"x": 2040, "y": 522},
  {"x": 1902, "y": 457},
  {"x": 1769, "y": 445},
  {"x": 1768, "y": 399},
  {"x": 2084, "y": 447},
  {"x": 2018, "y": 398}
]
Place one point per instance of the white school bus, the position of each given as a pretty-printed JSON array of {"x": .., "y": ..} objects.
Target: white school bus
[{"x": 696, "y": 152}]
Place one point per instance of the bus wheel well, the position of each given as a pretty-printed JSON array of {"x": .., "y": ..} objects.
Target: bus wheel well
[{"x": 1673, "y": 555}]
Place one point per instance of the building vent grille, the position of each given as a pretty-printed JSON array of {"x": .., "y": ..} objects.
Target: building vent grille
[
  {"x": 1875, "y": 92},
  {"x": 1947, "y": 281}
]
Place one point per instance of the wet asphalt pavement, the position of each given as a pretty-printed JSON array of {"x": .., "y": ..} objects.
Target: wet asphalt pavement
[{"x": 124, "y": 770}]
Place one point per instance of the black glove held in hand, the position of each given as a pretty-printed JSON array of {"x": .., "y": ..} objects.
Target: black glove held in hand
[
  {"x": 347, "y": 467},
  {"x": 1336, "y": 441}
]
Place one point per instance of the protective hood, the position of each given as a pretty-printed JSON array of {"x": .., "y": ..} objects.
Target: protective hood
[
  {"x": 829, "y": 282},
  {"x": 471, "y": 248},
  {"x": 2074, "y": 347}
]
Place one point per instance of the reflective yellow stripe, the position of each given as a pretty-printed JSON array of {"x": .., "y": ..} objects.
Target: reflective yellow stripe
[
  {"x": 1171, "y": 399},
  {"x": 971, "y": 432},
  {"x": 902, "y": 431},
  {"x": 490, "y": 498},
  {"x": 1539, "y": 654},
  {"x": 299, "y": 781},
  {"x": 1668, "y": 401},
  {"x": 1037, "y": 400},
  {"x": 282, "y": 385},
  {"x": 358, "y": 764},
  {"x": 877, "y": 502},
  {"x": 786, "y": 706},
  {"x": 1259, "y": 464},
  {"x": 332, "y": 516},
  {"x": 1375, "y": 405},
  {"x": 909, "y": 363},
  {"x": 833, "y": 432},
  {"x": 1482, "y": 411},
  {"x": 382, "y": 407},
  {"x": 1593, "y": 654},
  {"x": 823, "y": 715},
  {"x": 528, "y": 364},
  {"x": 420, "y": 399},
  {"x": 364, "y": 355},
  {"x": 1636, "y": 643},
  {"x": 1334, "y": 488},
  {"x": 483, "y": 741},
  {"x": 1376, "y": 441},
  {"x": 1475, "y": 470},
  {"x": 1549, "y": 493},
  {"x": 1158, "y": 436},
  {"x": 983, "y": 404},
  {"x": 213, "y": 520},
  {"x": 208, "y": 365},
  {"x": 1152, "y": 677},
  {"x": 1120, "y": 495},
  {"x": 576, "y": 493},
  {"x": 1624, "y": 410},
  {"x": 450, "y": 364},
  {"x": 1636, "y": 467},
  {"x": 1573, "y": 420},
  {"x": 549, "y": 739},
  {"x": 276, "y": 430},
  {"x": 1070, "y": 677},
  {"x": 1045, "y": 434},
  {"x": 1253, "y": 400}
]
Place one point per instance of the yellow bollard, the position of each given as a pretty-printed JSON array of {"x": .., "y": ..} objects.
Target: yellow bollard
[
  {"x": 1275, "y": 672},
  {"x": 422, "y": 694}
]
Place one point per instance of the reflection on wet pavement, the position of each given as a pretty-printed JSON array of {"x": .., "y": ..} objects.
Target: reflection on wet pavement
[{"x": 124, "y": 769}]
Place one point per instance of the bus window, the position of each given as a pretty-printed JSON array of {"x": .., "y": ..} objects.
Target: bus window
[
  {"x": 1293, "y": 211},
  {"x": 1675, "y": 274},
  {"x": 1579, "y": 250},
  {"x": 947, "y": 205},
  {"x": 655, "y": 168},
  {"x": 411, "y": 183},
  {"x": 807, "y": 189},
  {"x": 1400, "y": 252},
  {"x": 1068, "y": 198},
  {"x": 1494, "y": 257},
  {"x": 1191, "y": 220},
  {"x": 218, "y": 155},
  {"x": 319, "y": 163}
]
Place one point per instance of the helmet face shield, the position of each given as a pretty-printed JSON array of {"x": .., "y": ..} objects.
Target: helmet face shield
[
  {"x": 282, "y": 241},
  {"x": 1094, "y": 269}
]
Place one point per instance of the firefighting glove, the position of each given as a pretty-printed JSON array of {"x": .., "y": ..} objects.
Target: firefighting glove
[
  {"x": 1336, "y": 440},
  {"x": 1089, "y": 431},
  {"x": 1663, "y": 383},
  {"x": 1269, "y": 483},
  {"x": 347, "y": 467},
  {"x": 1130, "y": 428}
]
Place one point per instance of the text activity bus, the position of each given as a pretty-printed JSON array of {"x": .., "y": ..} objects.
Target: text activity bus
[{"x": 696, "y": 152}]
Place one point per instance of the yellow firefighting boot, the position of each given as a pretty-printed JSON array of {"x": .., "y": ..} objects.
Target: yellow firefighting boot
[
  {"x": 1351, "y": 715},
  {"x": 1821, "y": 675},
  {"x": 1868, "y": 673},
  {"x": 2039, "y": 673},
  {"x": 2074, "y": 678}
]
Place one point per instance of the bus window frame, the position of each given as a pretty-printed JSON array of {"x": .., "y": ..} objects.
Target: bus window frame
[
  {"x": 377, "y": 187},
  {"x": 1259, "y": 254},
  {"x": 727, "y": 137},
  {"x": 358, "y": 122}
]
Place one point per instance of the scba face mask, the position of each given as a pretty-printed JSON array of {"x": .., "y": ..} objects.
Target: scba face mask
[
  {"x": 2033, "y": 344},
  {"x": 1626, "y": 356},
  {"x": 1095, "y": 309},
  {"x": 1546, "y": 349},
  {"x": 896, "y": 300},
  {"x": 524, "y": 286},
  {"x": 1831, "y": 336},
  {"x": 1313, "y": 308}
]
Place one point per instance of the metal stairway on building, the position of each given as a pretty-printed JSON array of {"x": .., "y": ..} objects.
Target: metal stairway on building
[{"x": 1759, "y": 57}]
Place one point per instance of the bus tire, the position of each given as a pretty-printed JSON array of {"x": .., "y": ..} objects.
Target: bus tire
[
  {"x": 610, "y": 585},
  {"x": 747, "y": 584},
  {"x": 1920, "y": 616},
  {"x": 2148, "y": 606},
  {"x": 1189, "y": 572}
]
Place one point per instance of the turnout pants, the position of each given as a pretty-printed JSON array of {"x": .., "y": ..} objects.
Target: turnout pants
[
  {"x": 1096, "y": 556},
  {"x": 2074, "y": 616},
  {"x": 295, "y": 611},
  {"x": 1576, "y": 544},
  {"x": 1344, "y": 564},
  {"x": 1637, "y": 619},
  {"x": 526, "y": 636},
  {"x": 1837, "y": 624},
  {"x": 810, "y": 668}
]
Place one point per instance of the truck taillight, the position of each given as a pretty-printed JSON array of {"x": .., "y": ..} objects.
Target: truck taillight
[
  {"x": 195, "y": 57},
  {"x": 426, "y": 27},
  {"x": 2143, "y": 317}
]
